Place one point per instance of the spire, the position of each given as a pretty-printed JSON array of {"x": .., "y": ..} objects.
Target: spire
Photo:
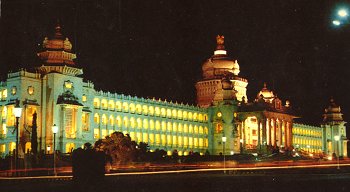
[
  {"x": 220, "y": 47},
  {"x": 58, "y": 33}
]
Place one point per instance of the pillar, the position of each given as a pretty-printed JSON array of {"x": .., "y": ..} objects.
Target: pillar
[
  {"x": 269, "y": 129},
  {"x": 274, "y": 133},
  {"x": 264, "y": 131},
  {"x": 259, "y": 144},
  {"x": 280, "y": 132},
  {"x": 290, "y": 134},
  {"x": 285, "y": 134}
]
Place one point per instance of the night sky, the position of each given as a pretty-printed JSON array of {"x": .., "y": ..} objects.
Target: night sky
[{"x": 156, "y": 48}]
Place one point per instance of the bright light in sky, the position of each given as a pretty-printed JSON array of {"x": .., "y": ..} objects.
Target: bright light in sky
[
  {"x": 342, "y": 13},
  {"x": 336, "y": 22}
]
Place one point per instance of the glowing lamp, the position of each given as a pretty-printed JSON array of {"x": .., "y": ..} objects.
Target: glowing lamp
[
  {"x": 342, "y": 13},
  {"x": 337, "y": 137},
  {"x": 223, "y": 139},
  {"x": 54, "y": 129},
  {"x": 17, "y": 111},
  {"x": 336, "y": 22}
]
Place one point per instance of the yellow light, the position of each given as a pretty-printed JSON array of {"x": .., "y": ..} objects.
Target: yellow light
[
  {"x": 219, "y": 114},
  {"x": 342, "y": 13},
  {"x": 329, "y": 158}
]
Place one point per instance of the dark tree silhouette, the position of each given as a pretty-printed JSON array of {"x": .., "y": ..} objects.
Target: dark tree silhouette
[{"x": 34, "y": 139}]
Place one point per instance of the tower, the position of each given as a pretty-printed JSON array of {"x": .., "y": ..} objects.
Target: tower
[
  {"x": 334, "y": 130},
  {"x": 215, "y": 69}
]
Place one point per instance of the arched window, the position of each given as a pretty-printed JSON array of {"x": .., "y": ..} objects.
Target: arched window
[
  {"x": 104, "y": 119},
  {"x": 157, "y": 111},
  {"x": 96, "y": 102},
  {"x": 170, "y": 126},
  {"x": 138, "y": 109},
  {"x": 125, "y": 122},
  {"x": 70, "y": 147},
  {"x": 190, "y": 129},
  {"x": 185, "y": 128},
  {"x": 196, "y": 129},
  {"x": 180, "y": 128},
  {"x": 118, "y": 121},
  {"x": 151, "y": 110},
  {"x": 174, "y": 127},
  {"x": 163, "y": 112},
  {"x": 174, "y": 113},
  {"x": 179, "y": 114},
  {"x": 96, "y": 118},
  {"x": 104, "y": 104},
  {"x": 111, "y": 120},
  {"x": 206, "y": 130},
  {"x": 118, "y": 106},
  {"x": 125, "y": 107},
  {"x": 200, "y": 117},
  {"x": 201, "y": 131},
  {"x": 163, "y": 126},
  {"x": 132, "y": 107},
  {"x": 145, "y": 124},
  {"x": 195, "y": 116},
  {"x": 151, "y": 124},
  {"x": 190, "y": 117},
  {"x": 168, "y": 113},
  {"x": 139, "y": 123},
  {"x": 184, "y": 115},
  {"x": 145, "y": 109},
  {"x": 111, "y": 105},
  {"x": 157, "y": 125},
  {"x": 132, "y": 122}
]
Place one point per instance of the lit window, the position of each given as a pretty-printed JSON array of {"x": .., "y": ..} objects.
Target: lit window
[
  {"x": 163, "y": 140},
  {"x": 84, "y": 98},
  {"x": 132, "y": 108},
  {"x": 145, "y": 137},
  {"x": 157, "y": 125},
  {"x": 168, "y": 113},
  {"x": 14, "y": 90},
  {"x": 169, "y": 126},
  {"x": 111, "y": 105},
  {"x": 126, "y": 122},
  {"x": 96, "y": 103},
  {"x": 111, "y": 120},
  {"x": 30, "y": 90},
  {"x": 104, "y": 104},
  {"x": 96, "y": 133},
  {"x": 174, "y": 113},
  {"x": 162, "y": 111},
  {"x": 118, "y": 121},
  {"x": 138, "y": 109},
  {"x": 132, "y": 122},
  {"x": 145, "y": 124},
  {"x": 28, "y": 147},
  {"x": 125, "y": 107},
  {"x": 145, "y": 109},
  {"x": 69, "y": 147},
  {"x": 68, "y": 84},
  {"x": 139, "y": 123},
  {"x": 104, "y": 119},
  {"x": 151, "y": 110},
  {"x": 157, "y": 111},
  {"x": 4, "y": 94},
  {"x": 151, "y": 124},
  {"x": 85, "y": 121},
  {"x": 163, "y": 126},
  {"x": 179, "y": 114},
  {"x": 118, "y": 106},
  {"x": 190, "y": 116}
]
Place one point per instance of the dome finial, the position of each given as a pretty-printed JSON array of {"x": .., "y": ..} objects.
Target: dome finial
[
  {"x": 220, "y": 39},
  {"x": 58, "y": 33},
  {"x": 265, "y": 85}
]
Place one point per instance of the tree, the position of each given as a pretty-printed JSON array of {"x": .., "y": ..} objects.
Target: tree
[
  {"x": 34, "y": 139},
  {"x": 118, "y": 147}
]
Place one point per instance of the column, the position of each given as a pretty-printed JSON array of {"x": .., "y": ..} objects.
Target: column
[
  {"x": 259, "y": 144},
  {"x": 243, "y": 134},
  {"x": 280, "y": 132},
  {"x": 290, "y": 134},
  {"x": 274, "y": 133},
  {"x": 285, "y": 134},
  {"x": 264, "y": 131},
  {"x": 270, "y": 129}
]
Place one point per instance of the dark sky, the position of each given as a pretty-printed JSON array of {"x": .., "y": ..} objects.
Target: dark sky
[{"x": 156, "y": 48}]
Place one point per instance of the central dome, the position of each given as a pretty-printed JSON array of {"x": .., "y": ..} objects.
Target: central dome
[{"x": 220, "y": 65}]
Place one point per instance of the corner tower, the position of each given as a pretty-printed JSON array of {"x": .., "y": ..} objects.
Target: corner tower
[
  {"x": 215, "y": 69},
  {"x": 334, "y": 130},
  {"x": 57, "y": 56}
]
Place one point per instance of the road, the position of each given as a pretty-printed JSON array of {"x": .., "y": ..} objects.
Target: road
[{"x": 298, "y": 178}]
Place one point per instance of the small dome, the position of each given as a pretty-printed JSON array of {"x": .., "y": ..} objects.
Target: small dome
[
  {"x": 219, "y": 64},
  {"x": 266, "y": 94}
]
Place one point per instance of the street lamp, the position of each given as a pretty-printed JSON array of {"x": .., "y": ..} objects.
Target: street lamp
[
  {"x": 54, "y": 131},
  {"x": 336, "y": 138},
  {"x": 342, "y": 13},
  {"x": 17, "y": 112},
  {"x": 223, "y": 146}
]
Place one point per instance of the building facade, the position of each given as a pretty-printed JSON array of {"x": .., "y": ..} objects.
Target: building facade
[{"x": 223, "y": 121}]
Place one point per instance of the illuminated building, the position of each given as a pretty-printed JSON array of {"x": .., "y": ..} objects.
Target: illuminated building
[{"x": 58, "y": 94}]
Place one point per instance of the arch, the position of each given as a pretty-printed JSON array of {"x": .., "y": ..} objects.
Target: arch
[
  {"x": 125, "y": 122},
  {"x": 118, "y": 106},
  {"x": 132, "y": 122},
  {"x": 138, "y": 109},
  {"x": 151, "y": 124},
  {"x": 168, "y": 113},
  {"x": 96, "y": 102},
  {"x": 28, "y": 147},
  {"x": 70, "y": 147},
  {"x": 104, "y": 104},
  {"x": 145, "y": 123},
  {"x": 111, "y": 120},
  {"x": 111, "y": 105},
  {"x": 174, "y": 113},
  {"x": 144, "y": 109},
  {"x": 163, "y": 112},
  {"x": 163, "y": 126},
  {"x": 96, "y": 118},
  {"x": 151, "y": 110},
  {"x": 118, "y": 121},
  {"x": 125, "y": 107},
  {"x": 104, "y": 119},
  {"x": 157, "y": 111},
  {"x": 132, "y": 108},
  {"x": 139, "y": 123},
  {"x": 179, "y": 114}
]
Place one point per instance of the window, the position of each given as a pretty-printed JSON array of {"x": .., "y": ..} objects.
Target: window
[
  {"x": 85, "y": 121},
  {"x": 125, "y": 107},
  {"x": 118, "y": 121},
  {"x": 163, "y": 112},
  {"x": 179, "y": 114},
  {"x": 84, "y": 98},
  {"x": 168, "y": 113},
  {"x": 132, "y": 122},
  {"x": 104, "y": 119},
  {"x": 157, "y": 125},
  {"x": 139, "y": 123},
  {"x": 138, "y": 109},
  {"x": 157, "y": 111},
  {"x": 104, "y": 104},
  {"x": 111, "y": 120},
  {"x": 96, "y": 118},
  {"x": 126, "y": 122},
  {"x": 118, "y": 106},
  {"x": 30, "y": 90},
  {"x": 69, "y": 147},
  {"x": 14, "y": 90},
  {"x": 145, "y": 124},
  {"x": 132, "y": 108},
  {"x": 151, "y": 110},
  {"x": 96, "y": 102},
  {"x": 70, "y": 118},
  {"x": 111, "y": 105},
  {"x": 151, "y": 124},
  {"x": 163, "y": 126},
  {"x": 145, "y": 137},
  {"x": 145, "y": 109}
]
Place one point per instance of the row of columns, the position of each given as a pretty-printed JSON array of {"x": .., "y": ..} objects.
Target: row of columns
[{"x": 270, "y": 132}]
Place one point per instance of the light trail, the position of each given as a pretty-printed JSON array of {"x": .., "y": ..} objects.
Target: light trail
[{"x": 186, "y": 171}]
